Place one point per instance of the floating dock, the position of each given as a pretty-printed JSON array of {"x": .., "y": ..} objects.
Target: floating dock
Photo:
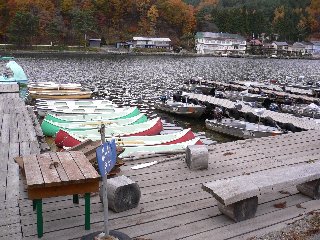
[
  {"x": 291, "y": 92},
  {"x": 280, "y": 118},
  {"x": 172, "y": 206}
]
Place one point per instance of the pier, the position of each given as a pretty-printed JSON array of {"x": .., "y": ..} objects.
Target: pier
[
  {"x": 280, "y": 118},
  {"x": 173, "y": 205},
  {"x": 290, "y": 92}
]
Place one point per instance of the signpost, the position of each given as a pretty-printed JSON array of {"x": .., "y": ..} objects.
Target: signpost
[{"x": 107, "y": 157}]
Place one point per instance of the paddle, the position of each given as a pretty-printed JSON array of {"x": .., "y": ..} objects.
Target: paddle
[{"x": 144, "y": 165}]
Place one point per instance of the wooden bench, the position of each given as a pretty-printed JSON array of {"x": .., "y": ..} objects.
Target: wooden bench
[
  {"x": 238, "y": 197},
  {"x": 56, "y": 174}
]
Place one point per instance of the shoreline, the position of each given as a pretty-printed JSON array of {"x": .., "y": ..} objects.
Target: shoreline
[{"x": 104, "y": 52}]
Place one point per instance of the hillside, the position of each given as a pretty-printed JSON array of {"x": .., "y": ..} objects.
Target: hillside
[{"x": 68, "y": 22}]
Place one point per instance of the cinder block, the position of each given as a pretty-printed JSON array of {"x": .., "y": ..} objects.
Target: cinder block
[{"x": 197, "y": 157}]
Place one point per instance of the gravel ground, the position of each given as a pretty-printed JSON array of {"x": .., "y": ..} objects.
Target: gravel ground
[{"x": 307, "y": 228}]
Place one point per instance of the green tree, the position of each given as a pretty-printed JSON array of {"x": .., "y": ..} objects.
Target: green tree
[
  {"x": 83, "y": 23},
  {"x": 23, "y": 27}
]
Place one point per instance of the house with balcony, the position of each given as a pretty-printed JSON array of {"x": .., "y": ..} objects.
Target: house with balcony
[
  {"x": 150, "y": 42},
  {"x": 222, "y": 44},
  {"x": 280, "y": 48}
]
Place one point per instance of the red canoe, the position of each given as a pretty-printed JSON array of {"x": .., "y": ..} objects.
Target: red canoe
[
  {"x": 133, "y": 141},
  {"x": 67, "y": 139}
]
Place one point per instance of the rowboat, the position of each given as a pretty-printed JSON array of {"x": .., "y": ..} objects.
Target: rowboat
[
  {"x": 77, "y": 109},
  {"x": 71, "y": 103},
  {"x": 6, "y": 58},
  {"x": 126, "y": 113},
  {"x": 159, "y": 149},
  {"x": 60, "y": 94},
  {"x": 151, "y": 127},
  {"x": 161, "y": 139},
  {"x": 50, "y": 128},
  {"x": 241, "y": 129},
  {"x": 18, "y": 73},
  {"x": 182, "y": 109},
  {"x": 65, "y": 110},
  {"x": 43, "y": 86}
]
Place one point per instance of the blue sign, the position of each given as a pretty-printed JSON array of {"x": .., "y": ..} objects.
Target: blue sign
[{"x": 106, "y": 156}]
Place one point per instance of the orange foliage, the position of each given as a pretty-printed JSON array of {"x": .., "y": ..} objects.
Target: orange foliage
[
  {"x": 206, "y": 3},
  {"x": 314, "y": 12}
]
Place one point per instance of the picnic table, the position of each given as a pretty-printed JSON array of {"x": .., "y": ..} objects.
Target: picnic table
[{"x": 56, "y": 174}]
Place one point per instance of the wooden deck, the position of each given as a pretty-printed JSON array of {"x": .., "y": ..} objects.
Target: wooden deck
[
  {"x": 17, "y": 137},
  {"x": 282, "y": 118},
  {"x": 172, "y": 206}
]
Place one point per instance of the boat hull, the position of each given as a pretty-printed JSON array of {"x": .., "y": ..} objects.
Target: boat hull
[
  {"x": 239, "y": 131},
  {"x": 166, "y": 139},
  {"x": 158, "y": 149},
  {"x": 63, "y": 137},
  {"x": 50, "y": 128},
  {"x": 181, "y": 109},
  {"x": 127, "y": 113}
]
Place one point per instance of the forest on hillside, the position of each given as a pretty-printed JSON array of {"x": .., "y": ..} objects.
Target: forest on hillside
[{"x": 66, "y": 22}]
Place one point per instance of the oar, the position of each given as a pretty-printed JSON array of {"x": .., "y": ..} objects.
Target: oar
[{"x": 144, "y": 165}]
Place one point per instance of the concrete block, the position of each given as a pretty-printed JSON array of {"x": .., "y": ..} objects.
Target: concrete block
[
  {"x": 123, "y": 194},
  {"x": 197, "y": 157}
]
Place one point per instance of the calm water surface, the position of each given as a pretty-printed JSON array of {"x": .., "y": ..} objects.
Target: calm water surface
[{"x": 140, "y": 80}]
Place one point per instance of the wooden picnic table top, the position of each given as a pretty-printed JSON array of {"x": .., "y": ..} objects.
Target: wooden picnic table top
[{"x": 54, "y": 169}]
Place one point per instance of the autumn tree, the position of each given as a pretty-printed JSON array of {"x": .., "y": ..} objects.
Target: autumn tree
[
  {"x": 314, "y": 17},
  {"x": 23, "y": 27}
]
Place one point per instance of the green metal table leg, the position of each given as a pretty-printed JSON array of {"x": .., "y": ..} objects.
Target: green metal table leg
[
  {"x": 76, "y": 198},
  {"x": 87, "y": 211},
  {"x": 34, "y": 205},
  {"x": 39, "y": 218}
]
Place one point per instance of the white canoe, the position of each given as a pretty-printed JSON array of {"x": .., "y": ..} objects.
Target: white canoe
[
  {"x": 87, "y": 109},
  {"x": 158, "y": 149}
]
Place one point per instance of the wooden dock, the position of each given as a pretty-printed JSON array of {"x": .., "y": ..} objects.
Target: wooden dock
[
  {"x": 17, "y": 137},
  {"x": 172, "y": 206},
  {"x": 291, "y": 92},
  {"x": 282, "y": 118}
]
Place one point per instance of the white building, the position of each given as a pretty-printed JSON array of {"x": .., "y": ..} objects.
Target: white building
[
  {"x": 148, "y": 42},
  {"x": 316, "y": 47},
  {"x": 220, "y": 43},
  {"x": 280, "y": 47}
]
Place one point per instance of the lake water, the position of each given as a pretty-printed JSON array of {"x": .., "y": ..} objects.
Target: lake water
[{"x": 140, "y": 80}]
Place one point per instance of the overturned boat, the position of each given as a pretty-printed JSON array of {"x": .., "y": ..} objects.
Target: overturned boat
[{"x": 241, "y": 129}]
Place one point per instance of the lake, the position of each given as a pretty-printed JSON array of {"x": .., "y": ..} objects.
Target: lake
[{"x": 140, "y": 80}]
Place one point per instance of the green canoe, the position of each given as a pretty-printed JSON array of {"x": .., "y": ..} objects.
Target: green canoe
[
  {"x": 50, "y": 128},
  {"x": 127, "y": 113}
]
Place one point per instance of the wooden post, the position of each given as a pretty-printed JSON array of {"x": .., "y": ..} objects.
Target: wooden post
[{"x": 104, "y": 187}]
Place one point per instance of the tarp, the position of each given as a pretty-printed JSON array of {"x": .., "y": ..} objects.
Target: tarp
[{"x": 18, "y": 73}]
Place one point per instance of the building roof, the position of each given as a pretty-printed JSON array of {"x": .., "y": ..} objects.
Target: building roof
[
  {"x": 94, "y": 39},
  {"x": 255, "y": 42},
  {"x": 280, "y": 43},
  {"x": 219, "y": 35},
  {"x": 151, "y": 39}
]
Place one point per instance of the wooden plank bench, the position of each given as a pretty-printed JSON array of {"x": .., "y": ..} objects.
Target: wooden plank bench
[
  {"x": 54, "y": 174},
  {"x": 237, "y": 197}
]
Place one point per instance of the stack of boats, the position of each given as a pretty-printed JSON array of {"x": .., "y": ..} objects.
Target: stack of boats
[
  {"x": 51, "y": 90},
  {"x": 71, "y": 122}
]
